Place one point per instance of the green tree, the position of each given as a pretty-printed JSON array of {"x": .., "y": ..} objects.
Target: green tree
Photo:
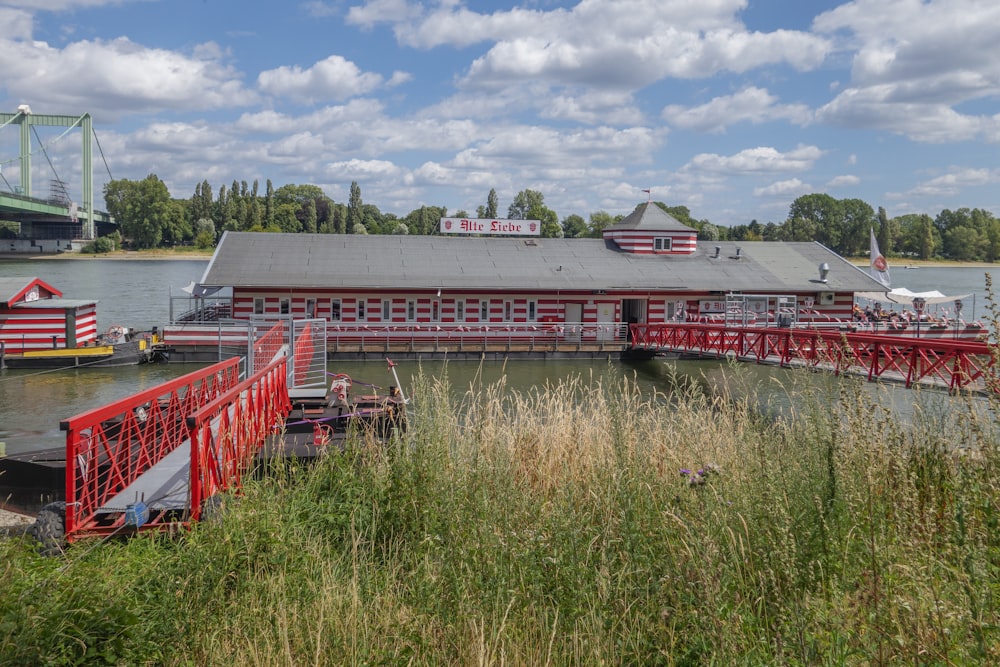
[
  {"x": 857, "y": 221},
  {"x": 268, "y": 204},
  {"x": 142, "y": 208},
  {"x": 964, "y": 243},
  {"x": 530, "y": 205},
  {"x": 176, "y": 227},
  {"x": 599, "y": 221},
  {"x": 574, "y": 226},
  {"x": 425, "y": 220},
  {"x": 709, "y": 232},
  {"x": 492, "y": 204},
  {"x": 201, "y": 206},
  {"x": 824, "y": 212},
  {"x": 286, "y": 218},
  {"x": 798, "y": 229},
  {"x": 354, "y": 205}
]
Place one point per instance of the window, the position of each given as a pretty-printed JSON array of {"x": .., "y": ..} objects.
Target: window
[
  {"x": 484, "y": 310},
  {"x": 460, "y": 310},
  {"x": 386, "y": 310},
  {"x": 285, "y": 307},
  {"x": 334, "y": 310},
  {"x": 258, "y": 306},
  {"x": 411, "y": 310},
  {"x": 661, "y": 243},
  {"x": 508, "y": 311},
  {"x": 435, "y": 311},
  {"x": 362, "y": 310},
  {"x": 532, "y": 311},
  {"x": 310, "y": 308}
]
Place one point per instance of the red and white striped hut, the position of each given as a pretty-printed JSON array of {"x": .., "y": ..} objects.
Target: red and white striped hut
[{"x": 34, "y": 316}]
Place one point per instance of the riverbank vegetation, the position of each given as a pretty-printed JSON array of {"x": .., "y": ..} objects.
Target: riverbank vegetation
[
  {"x": 577, "y": 524},
  {"x": 150, "y": 218}
]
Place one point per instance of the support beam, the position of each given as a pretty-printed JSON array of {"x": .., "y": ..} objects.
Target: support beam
[{"x": 26, "y": 121}]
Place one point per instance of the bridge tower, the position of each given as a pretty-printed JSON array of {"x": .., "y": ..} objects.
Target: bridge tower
[{"x": 25, "y": 119}]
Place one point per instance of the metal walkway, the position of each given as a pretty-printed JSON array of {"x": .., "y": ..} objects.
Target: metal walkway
[
  {"x": 953, "y": 364},
  {"x": 151, "y": 460}
]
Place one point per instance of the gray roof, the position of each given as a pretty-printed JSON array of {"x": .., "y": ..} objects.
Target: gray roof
[
  {"x": 650, "y": 217},
  {"x": 10, "y": 286},
  {"x": 357, "y": 261}
]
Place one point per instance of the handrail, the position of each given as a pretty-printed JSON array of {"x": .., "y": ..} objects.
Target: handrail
[
  {"x": 110, "y": 447},
  {"x": 227, "y": 432},
  {"x": 952, "y": 363}
]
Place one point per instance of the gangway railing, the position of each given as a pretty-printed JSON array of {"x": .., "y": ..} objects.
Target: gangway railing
[
  {"x": 265, "y": 348},
  {"x": 948, "y": 363},
  {"x": 228, "y": 432},
  {"x": 309, "y": 355},
  {"x": 109, "y": 448}
]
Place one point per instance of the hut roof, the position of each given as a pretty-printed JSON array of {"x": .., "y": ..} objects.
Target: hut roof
[
  {"x": 649, "y": 217},
  {"x": 13, "y": 288}
]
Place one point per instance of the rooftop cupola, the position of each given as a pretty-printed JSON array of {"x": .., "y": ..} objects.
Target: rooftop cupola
[{"x": 649, "y": 230}]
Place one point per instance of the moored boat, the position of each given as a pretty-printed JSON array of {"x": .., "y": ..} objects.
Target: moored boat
[{"x": 40, "y": 329}]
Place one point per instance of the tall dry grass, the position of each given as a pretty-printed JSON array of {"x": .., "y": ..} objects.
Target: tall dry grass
[{"x": 579, "y": 523}]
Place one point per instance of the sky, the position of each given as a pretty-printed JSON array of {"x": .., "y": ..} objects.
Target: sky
[{"x": 732, "y": 108}]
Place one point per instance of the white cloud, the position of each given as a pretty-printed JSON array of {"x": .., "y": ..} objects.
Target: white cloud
[
  {"x": 845, "y": 181},
  {"x": 334, "y": 78},
  {"x": 626, "y": 44},
  {"x": 927, "y": 122},
  {"x": 15, "y": 24},
  {"x": 113, "y": 78},
  {"x": 361, "y": 170},
  {"x": 792, "y": 188},
  {"x": 752, "y": 104},
  {"x": 955, "y": 181},
  {"x": 763, "y": 159},
  {"x": 63, "y": 5},
  {"x": 914, "y": 62}
]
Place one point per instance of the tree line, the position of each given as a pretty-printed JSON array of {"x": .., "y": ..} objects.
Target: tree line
[{"x": 149, "y": 217}]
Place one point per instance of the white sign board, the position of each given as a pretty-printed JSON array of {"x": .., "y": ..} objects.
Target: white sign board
[{"x": 488, "y": 226}]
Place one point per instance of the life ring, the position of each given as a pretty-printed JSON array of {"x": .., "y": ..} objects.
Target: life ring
[
  {"x": 322, "y": 434},
  {"x": 115, "y": 333}
]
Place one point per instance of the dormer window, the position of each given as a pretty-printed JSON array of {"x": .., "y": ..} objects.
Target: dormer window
[{"x": 661, "y": 244}]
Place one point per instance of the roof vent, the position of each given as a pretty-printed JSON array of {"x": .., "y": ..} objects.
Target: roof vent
[
  {"x": 738, "y": 255},
  {"x": 530, "y": 242},
  {"x": 718, "y": 249}
]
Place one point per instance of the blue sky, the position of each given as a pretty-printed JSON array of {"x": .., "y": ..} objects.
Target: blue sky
[{"x": 732, "y": 108}]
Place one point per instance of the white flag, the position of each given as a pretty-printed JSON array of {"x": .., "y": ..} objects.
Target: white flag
[{"x": 879, "y": 267}]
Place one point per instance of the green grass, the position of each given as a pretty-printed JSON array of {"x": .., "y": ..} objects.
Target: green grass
[{"x": 556, "y": 527}]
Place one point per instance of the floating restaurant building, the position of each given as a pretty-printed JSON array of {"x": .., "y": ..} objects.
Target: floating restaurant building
[{"x": 474, "y": 295}]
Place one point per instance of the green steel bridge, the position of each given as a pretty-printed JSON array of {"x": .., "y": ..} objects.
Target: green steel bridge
[{"x": 47, "y": 218}]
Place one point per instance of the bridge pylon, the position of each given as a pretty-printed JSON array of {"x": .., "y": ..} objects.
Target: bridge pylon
[{"x": 26, "y": 120}]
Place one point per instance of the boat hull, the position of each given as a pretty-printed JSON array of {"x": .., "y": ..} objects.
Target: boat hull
[{"x": 122, "y": 354}]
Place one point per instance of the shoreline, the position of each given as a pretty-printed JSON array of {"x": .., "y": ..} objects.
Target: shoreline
[{"x": 118, "y": 255}]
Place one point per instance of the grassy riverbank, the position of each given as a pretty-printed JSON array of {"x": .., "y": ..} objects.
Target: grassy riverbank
[{"x": 584, "y": 524}]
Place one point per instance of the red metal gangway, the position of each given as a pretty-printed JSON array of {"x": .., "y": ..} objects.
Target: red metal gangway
[
  {"x": 209, "y": 418},
  {"x": 953, "y": 364},
  {"x": 227, "y": 433}
]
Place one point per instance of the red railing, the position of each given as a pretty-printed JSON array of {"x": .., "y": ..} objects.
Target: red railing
[
  {"x": 227, "y": 433},
  {"x": 950, "y": 363},
  {"x": 304, "y": 350},
  {"x": 267, "y": 346},
  {"x": 110, "y": 447}
]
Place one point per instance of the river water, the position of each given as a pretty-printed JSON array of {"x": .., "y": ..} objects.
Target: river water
[{"x": 137, "y": 293}]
